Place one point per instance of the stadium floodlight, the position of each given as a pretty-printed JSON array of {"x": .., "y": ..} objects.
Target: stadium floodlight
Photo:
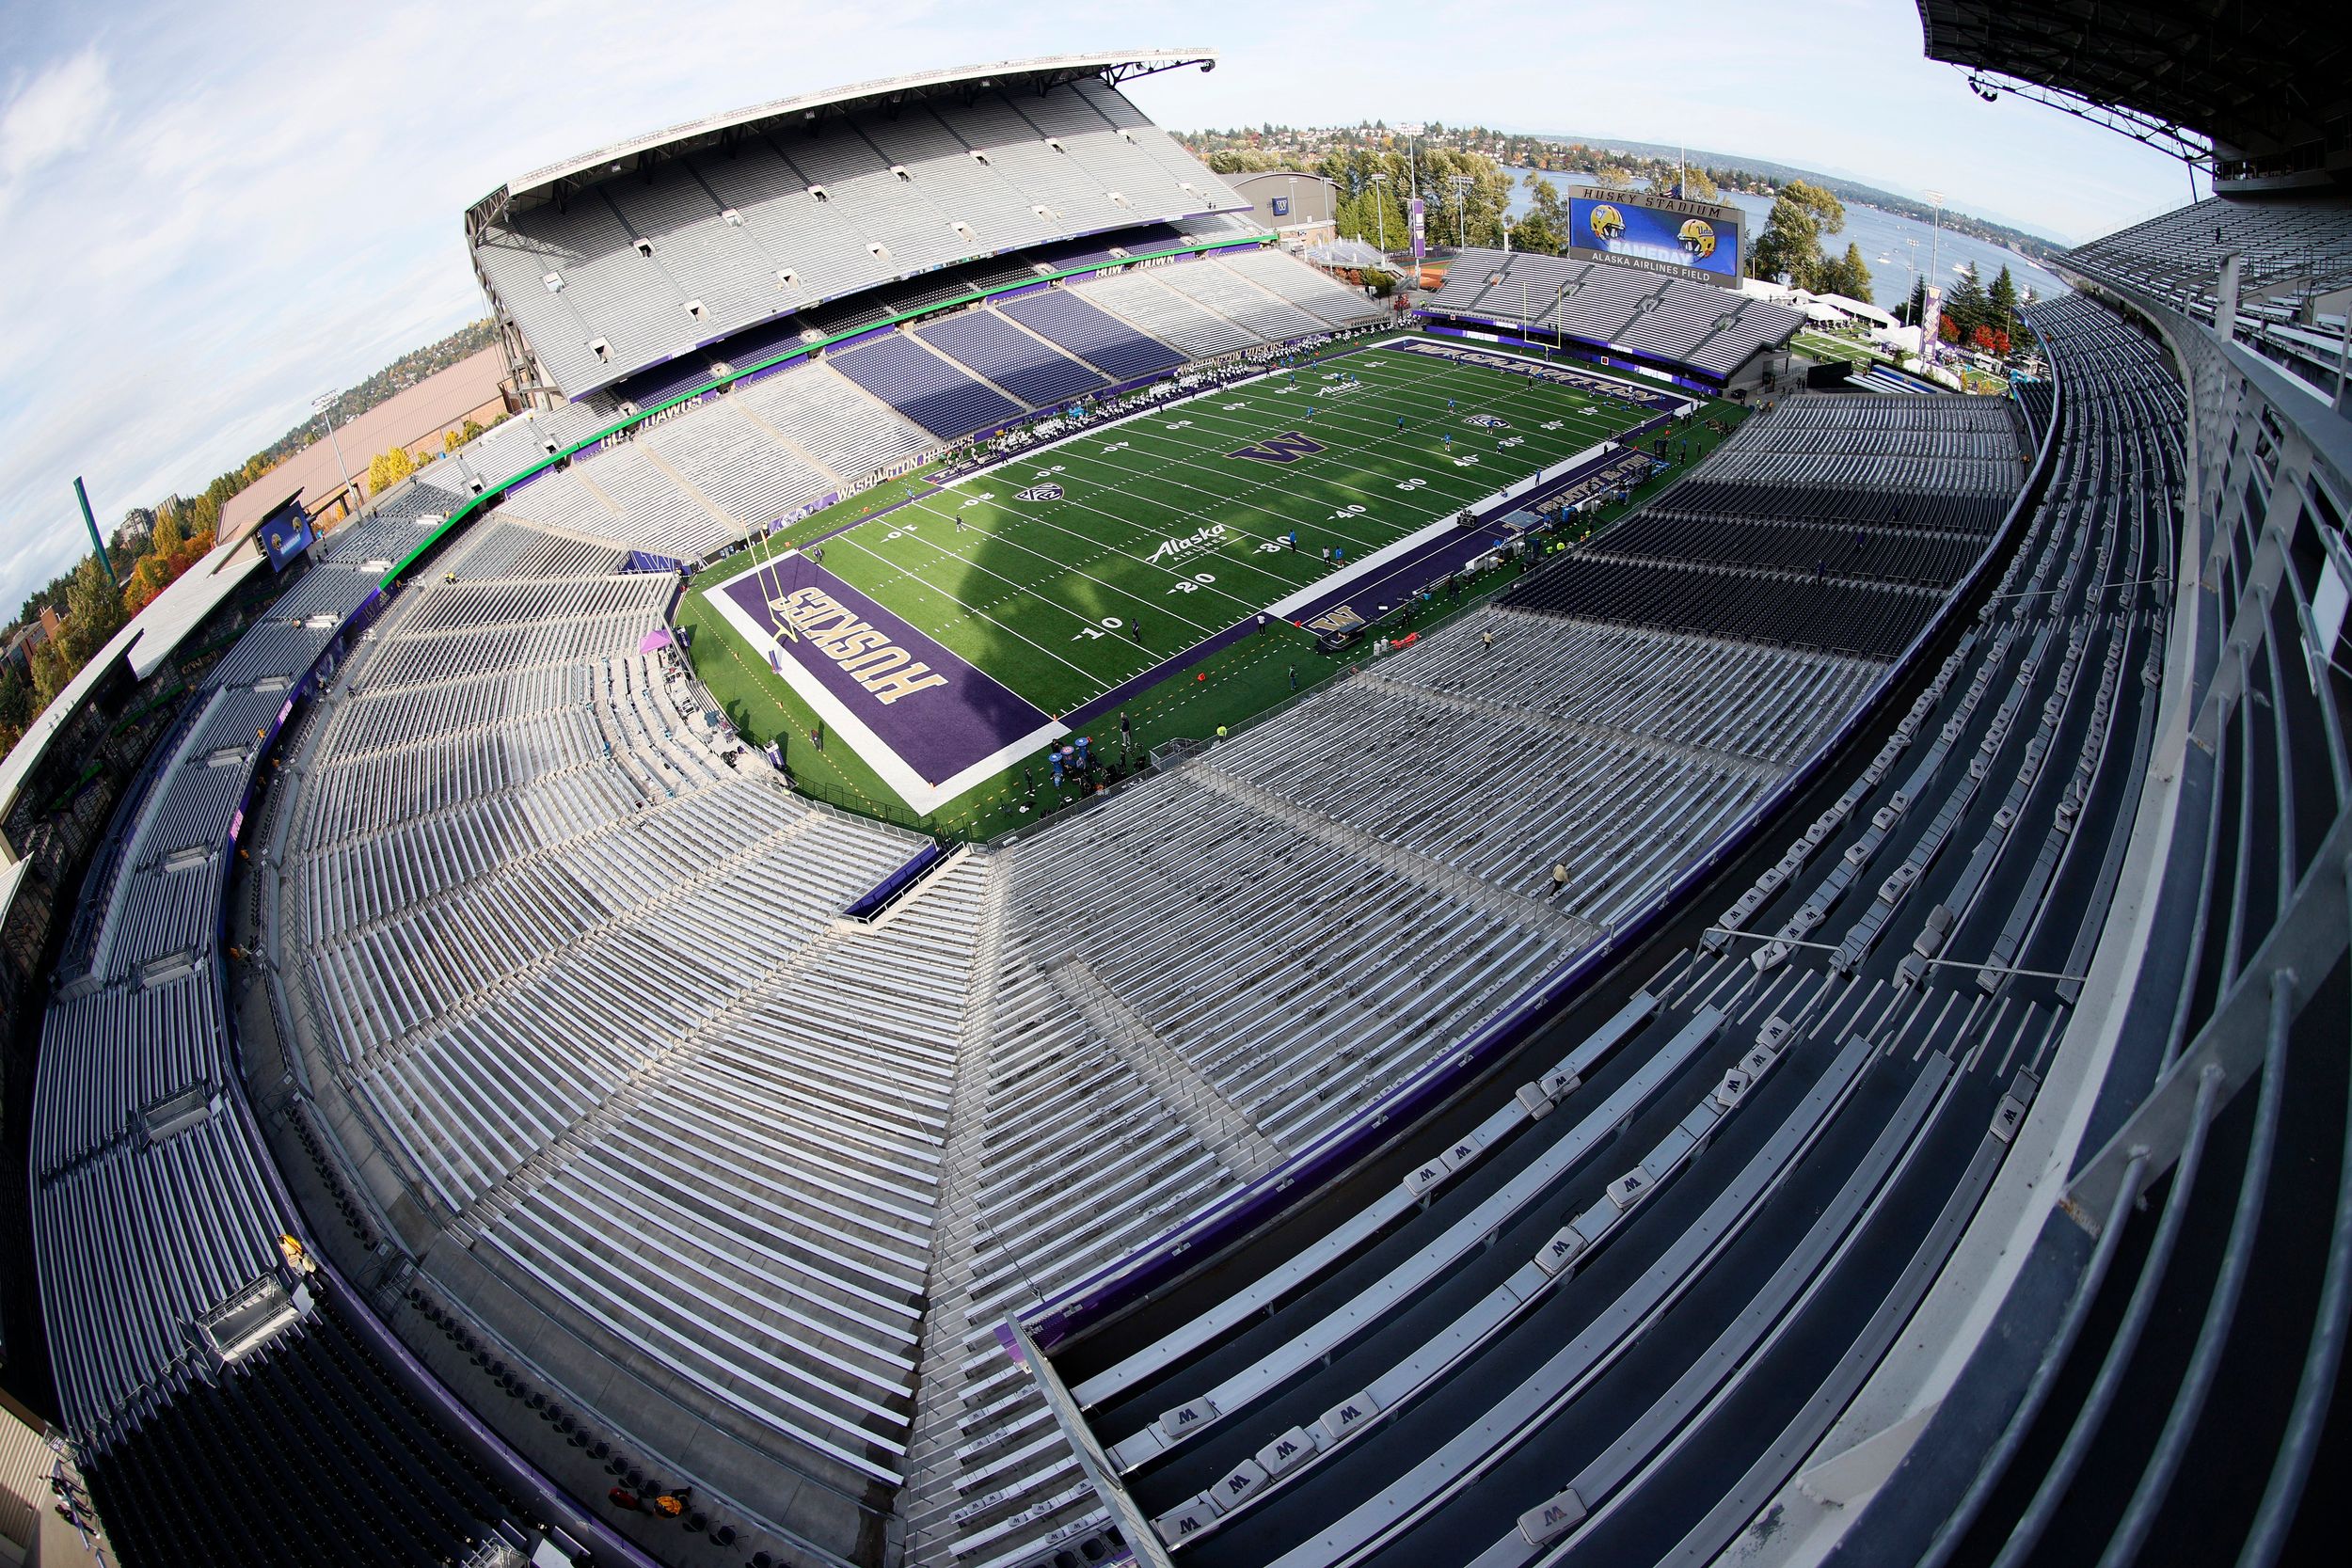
[
  {"x": 320, "y": 404},
  {"x": 1461, "y": 183},
  {"x": 1380, "y": 207}
]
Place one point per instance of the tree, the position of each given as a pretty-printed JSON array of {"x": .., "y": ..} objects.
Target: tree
[
  {"x": 1382, "y": 284},
  {"x": 1697, "y": 185},
  {"x": 388, "y": 469},
  {"x": 1968, "y": 304},
  {"x": 1947, "y": 329},
  {"x": 1914, "y": 310},
  {"x": 1848, "y": 276},
  {"x": 16, "y": 705},
  {"x": 1791, "y": 245}
]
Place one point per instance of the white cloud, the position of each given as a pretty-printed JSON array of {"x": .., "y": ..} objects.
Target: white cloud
[{"x": 60, "y": 111}]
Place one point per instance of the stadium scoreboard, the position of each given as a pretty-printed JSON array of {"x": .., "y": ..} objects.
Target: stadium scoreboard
[{"x": 1702, "y": 239}]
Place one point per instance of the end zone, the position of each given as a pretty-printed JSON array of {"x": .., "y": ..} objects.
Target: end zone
[{"x": 929, "y": 722}]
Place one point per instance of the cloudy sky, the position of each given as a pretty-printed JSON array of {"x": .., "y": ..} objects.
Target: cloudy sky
[{"x": 213, "y": 212}]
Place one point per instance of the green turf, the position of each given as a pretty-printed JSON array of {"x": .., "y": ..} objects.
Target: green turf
[
  {"x": 1023, "y": 589},
  {"x": 1062, "y": 600}
]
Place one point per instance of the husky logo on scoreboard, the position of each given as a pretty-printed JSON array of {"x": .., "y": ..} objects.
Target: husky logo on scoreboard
[
  {"x": 1039, "y": 493},
  {"x": 1289, "y": 446},
  {"x": 1488, "y": 421}
]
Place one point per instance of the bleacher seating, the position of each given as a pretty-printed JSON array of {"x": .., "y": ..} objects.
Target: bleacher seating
[
  {"x": 924, "y": 387},
  {"x": 1111, "y": 346},
  {"x": 1712, "y": 330},
  {"x": 313, "y": 1456},
  {"x": 1137, "y": 298},
  {"x": 1030, "y": 369},
  {"x": 2288, "y": 250},
  {"x": 788, "y": 216},
  {"x": 1833, "y": 522}
]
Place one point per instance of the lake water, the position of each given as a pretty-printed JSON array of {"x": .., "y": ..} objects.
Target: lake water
[{"x": 1879, "y": 235}]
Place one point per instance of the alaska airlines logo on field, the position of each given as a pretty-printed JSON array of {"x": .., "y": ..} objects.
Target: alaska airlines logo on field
[
  {"x": 866, "y": 655},
  {"x": 1039, "y": 493},
  {"x": 1204, "y": 538},
  {"x": 1487, "y": 422},
  {"x": 1289, "y": 446}
]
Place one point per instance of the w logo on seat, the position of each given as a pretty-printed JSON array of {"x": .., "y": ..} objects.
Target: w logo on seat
[{"x": 1289, "y": 446}]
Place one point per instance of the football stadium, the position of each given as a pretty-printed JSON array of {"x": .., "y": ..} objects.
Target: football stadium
[{"x": 1017, "y": 883}]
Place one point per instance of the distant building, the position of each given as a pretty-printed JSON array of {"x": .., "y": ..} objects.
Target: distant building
[
  {"x": 1299, "y": 208},
  {"x": 444, "y": 401}
]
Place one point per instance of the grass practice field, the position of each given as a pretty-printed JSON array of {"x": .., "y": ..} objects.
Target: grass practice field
[{"x": 1070, "y": 572}]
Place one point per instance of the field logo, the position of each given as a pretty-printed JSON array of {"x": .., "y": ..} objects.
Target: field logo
[
  {"x": 867, "y": 655},
  {"x": 1039, "y": 493},
  {"x": 1204, "y": 538},
  {"x": 1289, "y": 446},
  {"x": 1487, "y": 422}
]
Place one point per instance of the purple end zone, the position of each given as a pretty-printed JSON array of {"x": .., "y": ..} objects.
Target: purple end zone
[{"x": 927, "y": 704}]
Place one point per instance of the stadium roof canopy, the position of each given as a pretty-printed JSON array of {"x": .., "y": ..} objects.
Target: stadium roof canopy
[
  {"x": 1037, "y": 75},
  {"x": 2259, "y": 81}
]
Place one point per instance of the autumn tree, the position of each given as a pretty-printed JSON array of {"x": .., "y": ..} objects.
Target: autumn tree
[{"x": 388, "y": 469}]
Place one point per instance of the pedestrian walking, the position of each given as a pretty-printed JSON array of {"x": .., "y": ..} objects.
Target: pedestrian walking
[{"x": 1294, "y": 677}]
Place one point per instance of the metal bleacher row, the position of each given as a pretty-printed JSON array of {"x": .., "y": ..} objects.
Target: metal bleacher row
[
  {"x": 1614, "y": 1310},
  {"x": 2295, "y": 276},
  {"x": 1713, "y": 330},
  {"x": 502, "y": 823},
  {"x": 1196, "y": 986},
  {"x": 152, "y": 1203},
  {"x": 573, "y": 978},
  {"x": 1856, "y": 512},
  {"x": 785, "y": 219}
]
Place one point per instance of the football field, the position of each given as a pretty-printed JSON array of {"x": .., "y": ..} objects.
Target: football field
[{"x": 1020, "y": 595}]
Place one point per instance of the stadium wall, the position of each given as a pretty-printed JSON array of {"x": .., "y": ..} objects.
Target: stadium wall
[{"x": 1119, "y": 1285}]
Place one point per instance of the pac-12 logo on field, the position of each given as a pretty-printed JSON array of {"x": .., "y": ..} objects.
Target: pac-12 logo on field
[
  {"x": 1487, "y": 422},
  {"x": 1039, "y": 493}
]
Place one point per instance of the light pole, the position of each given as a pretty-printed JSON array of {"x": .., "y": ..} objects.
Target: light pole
[
  {"x": 1461, "y": 183},
  {"x": 1380, "y": 201},
  {"x": 320, "y": 404},
  {"x": 1935, "y": 244}
]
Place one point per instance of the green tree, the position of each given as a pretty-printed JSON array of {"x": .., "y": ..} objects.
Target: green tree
[
  {"x": 1790, "y": 244},
  {"x": 2000, "y": 304},
  {"x": 1968, "y": 304},
  {"x": 93, "y": 612},
  {"x": 16, "y": 703},
  {"x": 1848, "y": 276}
]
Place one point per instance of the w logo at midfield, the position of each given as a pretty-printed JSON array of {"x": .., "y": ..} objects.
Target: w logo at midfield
[{"x": 1289, "y": 446}]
